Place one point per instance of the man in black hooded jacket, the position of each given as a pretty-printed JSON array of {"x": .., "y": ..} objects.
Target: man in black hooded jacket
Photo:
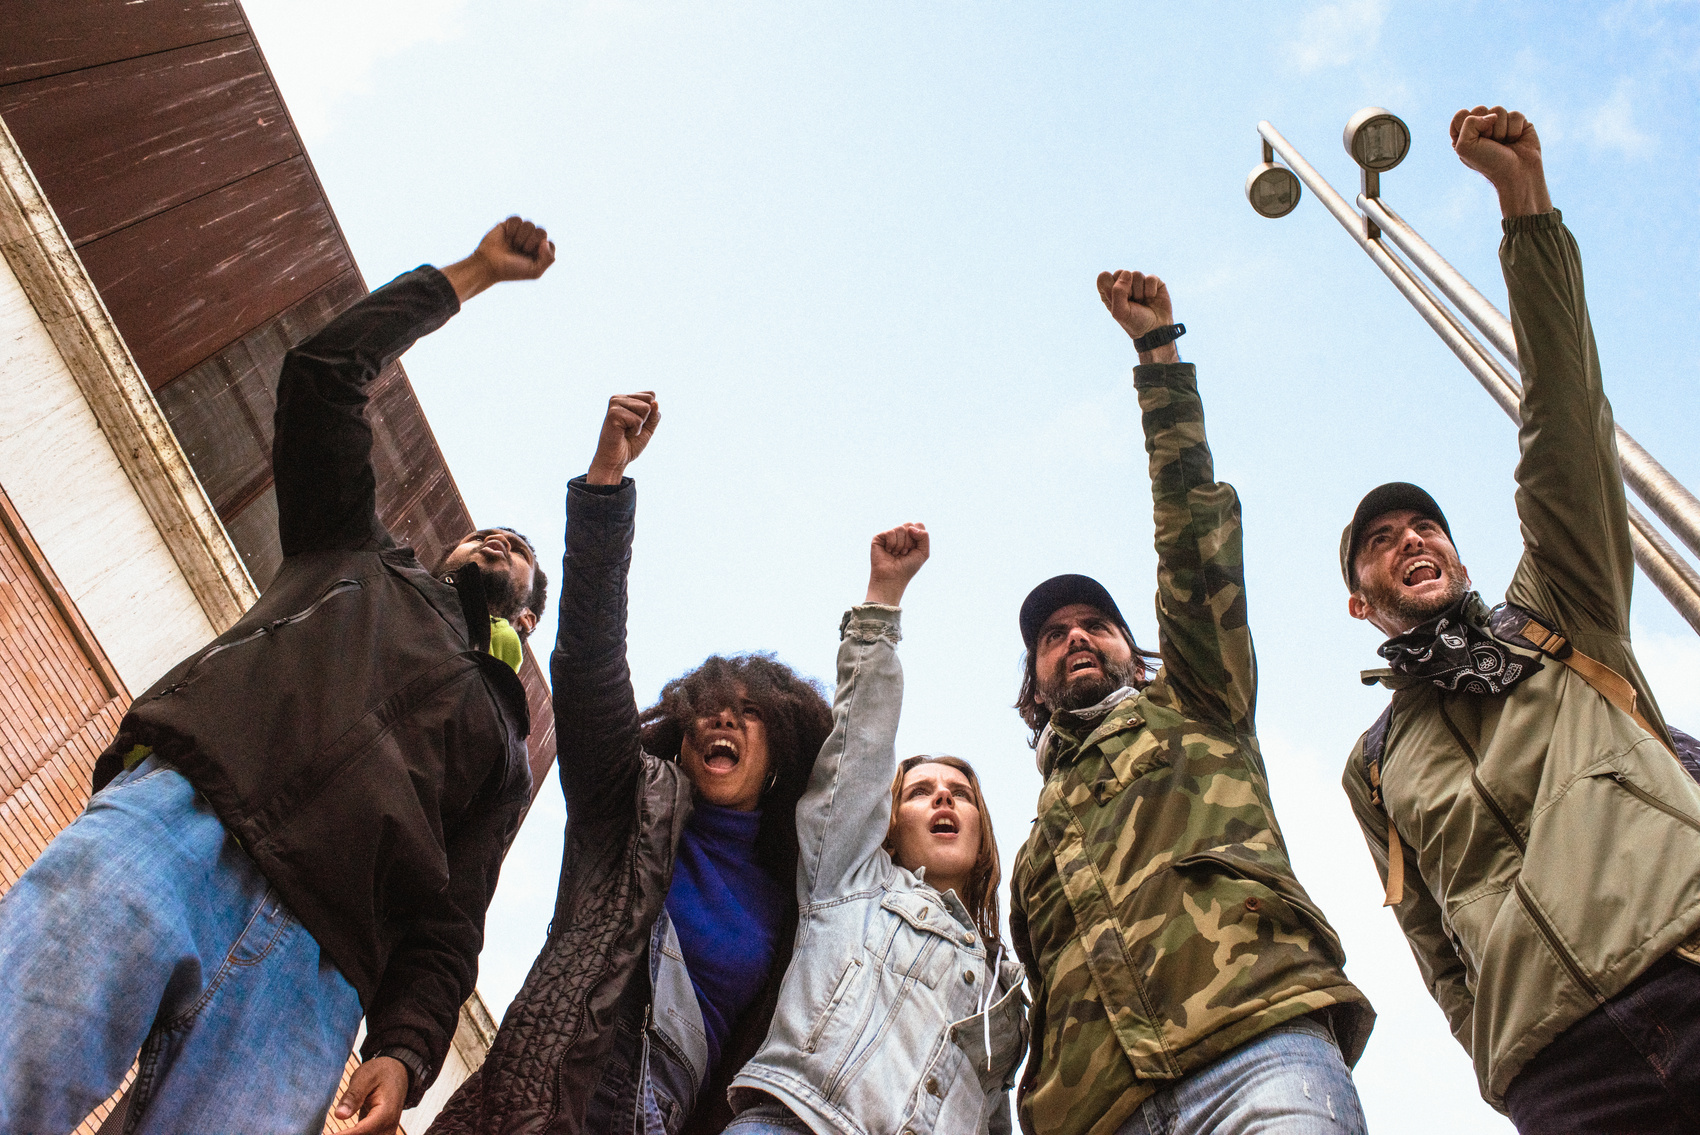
[{"x": 303, "y": 822}]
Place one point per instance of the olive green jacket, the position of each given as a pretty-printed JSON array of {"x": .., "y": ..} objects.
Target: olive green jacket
[
  {"x": 1153, "y": 904},
  {"x": 1551, "y": 845}
]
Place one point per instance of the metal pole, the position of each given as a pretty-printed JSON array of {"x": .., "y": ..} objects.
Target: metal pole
[
  {"x": 1669, "y": 499},
  {"x": 1667, "y": 570}
]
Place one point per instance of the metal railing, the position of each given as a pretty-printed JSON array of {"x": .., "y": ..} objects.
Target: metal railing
[{"x": 1377, "y": 141}]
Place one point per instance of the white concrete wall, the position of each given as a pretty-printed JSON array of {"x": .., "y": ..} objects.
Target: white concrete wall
[{"x": 65, "y": 481}]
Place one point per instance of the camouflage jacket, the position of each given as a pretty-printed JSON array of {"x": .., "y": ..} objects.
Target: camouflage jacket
[{"x": 1153, "y": 904}]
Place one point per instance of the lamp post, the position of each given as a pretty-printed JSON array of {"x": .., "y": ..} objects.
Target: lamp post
[{"x": 1377, "y": 141}]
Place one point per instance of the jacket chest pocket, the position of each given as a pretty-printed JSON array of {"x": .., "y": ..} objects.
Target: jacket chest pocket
[
  {"x": 920, "y": 942},
  {"x": 1122, "y": 758}
]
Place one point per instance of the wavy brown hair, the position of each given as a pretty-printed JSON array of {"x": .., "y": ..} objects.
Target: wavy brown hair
[
  {"x": 797, "y": 719},
  {"x": 982, "y": 897}
]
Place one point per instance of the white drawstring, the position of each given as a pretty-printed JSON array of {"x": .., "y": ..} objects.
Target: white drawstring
[{"x": 986, "y": 1006}]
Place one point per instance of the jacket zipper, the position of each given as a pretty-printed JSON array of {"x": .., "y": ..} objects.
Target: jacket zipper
[
  {"x": 337, "y": 588},
  {"x": 1650, "y": 800},
  {"x": 1482, "y": 793},
  {"x": 1551, "y": 935}
]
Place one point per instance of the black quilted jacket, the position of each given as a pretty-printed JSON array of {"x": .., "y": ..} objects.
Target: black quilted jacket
[{"x": 626, "y": 812}]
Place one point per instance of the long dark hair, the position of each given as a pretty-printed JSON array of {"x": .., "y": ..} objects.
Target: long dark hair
[
  {"x": 798, "y": 720},
  {"x": 982, "y": 897}
]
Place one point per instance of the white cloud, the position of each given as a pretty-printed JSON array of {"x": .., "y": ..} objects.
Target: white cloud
[
  {"x": 1672, "y": 665},
  {"x": 1612, "y": 126},
  {"x": 1336, "y": 34},
  {"x": 324, "y": 50}
]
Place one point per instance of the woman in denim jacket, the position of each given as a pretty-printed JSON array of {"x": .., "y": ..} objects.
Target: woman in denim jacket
[{"x": 901, "y": 1010}]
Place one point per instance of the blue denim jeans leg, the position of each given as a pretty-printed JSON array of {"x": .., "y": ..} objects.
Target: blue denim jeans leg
[
  {"x": 1290, "y": 1080},
  {"x": 767, "y": 1119},
  {"x": 144, "y": 925}
]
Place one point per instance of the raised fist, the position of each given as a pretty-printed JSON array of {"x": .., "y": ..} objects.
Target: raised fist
[
  {"x": 1503, "y": 147},
  {"x": 1138, "y": 302},
  {"x": 516, "y": 250},
  {"x": 626, "y": 430},
  {"x": 894, "y": 557}
]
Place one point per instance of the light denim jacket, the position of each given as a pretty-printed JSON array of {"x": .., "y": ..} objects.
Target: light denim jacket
[{"x": 881, "y": 1025}]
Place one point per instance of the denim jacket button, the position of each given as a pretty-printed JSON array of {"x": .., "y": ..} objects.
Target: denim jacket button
[
  {"x": 968, "y": 938},
  {"x": 932, "y": 1085},
  {"x": 968, "y": 976}
]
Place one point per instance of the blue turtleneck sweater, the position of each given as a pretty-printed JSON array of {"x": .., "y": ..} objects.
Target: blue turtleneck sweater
[{"x": 727, "y": 911}]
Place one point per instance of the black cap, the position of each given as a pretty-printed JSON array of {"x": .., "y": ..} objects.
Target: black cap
[
  {"x": 1058, "y": 592},
  {"x": 1391, "y": 497}
]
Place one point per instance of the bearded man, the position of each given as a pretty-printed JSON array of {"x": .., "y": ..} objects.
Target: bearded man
[
  {"x": 302, "y": 823},
  {"x": 1183, "y": 980},
  {"x": 1539, "y": 842}
]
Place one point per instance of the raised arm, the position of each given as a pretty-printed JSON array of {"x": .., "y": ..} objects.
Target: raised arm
[
  {"x": 321, "y": 442},
  {"x": 596, "y": 716},
  {"x": 1208, "y": 665},
  {"x": 1570, "y": 495},
  {"x": 843, "y": 816}
]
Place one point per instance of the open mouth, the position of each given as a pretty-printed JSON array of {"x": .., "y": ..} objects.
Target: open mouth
[
  {"x": 943, "y": 825},
  {"x": 1421, "y": 571},
  {"x": 722, "y": 756},
  {"x": 1081, "y": 663}
]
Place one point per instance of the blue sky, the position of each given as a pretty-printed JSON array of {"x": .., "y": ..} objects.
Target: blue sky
[{"x": 852, "y": 247}]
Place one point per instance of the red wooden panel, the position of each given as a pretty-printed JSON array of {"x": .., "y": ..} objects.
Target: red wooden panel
[
  {"x": 48, "y": 37},
  {"x": 184, "y": 283},
  {"x": 221, "y": 410},
  {"x": 112, "y": 145}
]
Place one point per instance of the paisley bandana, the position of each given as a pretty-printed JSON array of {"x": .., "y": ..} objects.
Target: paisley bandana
[{"x": 1456, "y": 652}]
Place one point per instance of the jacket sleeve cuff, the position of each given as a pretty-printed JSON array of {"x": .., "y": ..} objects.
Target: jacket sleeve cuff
[
  {"x": 1171, "y": 375},
  {"x": 1532, "y": 222},
  {"x": 419, "y": 1075},
  {"x": 870, "y": 622}
]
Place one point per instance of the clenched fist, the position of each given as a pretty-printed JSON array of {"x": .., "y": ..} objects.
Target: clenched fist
[
  {"x": 626, "y": 430},
  {"x": 1138, "y": 302},
  {"x": 1503, "y": 147},
  {"x": 894, "y": 557},
  {"x": 514, "y": 250}
]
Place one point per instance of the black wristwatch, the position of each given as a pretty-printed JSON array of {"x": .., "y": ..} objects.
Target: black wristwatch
[{"x": 1160, "y": 336}]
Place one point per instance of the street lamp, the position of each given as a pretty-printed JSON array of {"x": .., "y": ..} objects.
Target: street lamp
[{"x": 1272, "y": 190}]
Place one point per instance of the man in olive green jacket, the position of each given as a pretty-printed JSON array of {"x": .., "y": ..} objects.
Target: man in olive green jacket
[
  {"x": 1540, "y": 844},
  {"x": 1183, "y": 980}
]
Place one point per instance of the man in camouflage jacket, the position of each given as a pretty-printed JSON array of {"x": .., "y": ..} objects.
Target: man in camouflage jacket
[{"x": 1183, "y": 980}]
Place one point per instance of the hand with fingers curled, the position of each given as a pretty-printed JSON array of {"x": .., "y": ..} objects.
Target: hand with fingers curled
[
  {"x": 516, "y": 249},
  {"x": 1503, "y": 147},
  {"x": 376, "y": 1092},
  {"x": 1141, "y": 304},
  {"x": 626, "y": 430},
  {"x": 894, "y": 557}
]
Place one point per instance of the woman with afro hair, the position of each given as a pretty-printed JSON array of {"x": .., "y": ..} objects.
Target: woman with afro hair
[{"x": 677, "y": 903}]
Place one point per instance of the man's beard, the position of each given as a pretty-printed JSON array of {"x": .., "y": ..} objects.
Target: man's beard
[
  {"x": 1416, "y": 612},
  {"x": 500, "y": 595},
  {"x": 1060, "y": 693}
]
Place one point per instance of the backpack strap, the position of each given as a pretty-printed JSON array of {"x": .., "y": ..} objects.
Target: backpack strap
[
  {"x": 1375, "y": 748},
  {"x": 1521, "y": 627}
]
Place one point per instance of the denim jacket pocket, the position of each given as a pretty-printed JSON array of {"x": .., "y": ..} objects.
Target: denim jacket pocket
[
  {"x": 1008, "y": 1029},
  {"x": 920, "y": 943},
  {"x": 840, "y": 995}
]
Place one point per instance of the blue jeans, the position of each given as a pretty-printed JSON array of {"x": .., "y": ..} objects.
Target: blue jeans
[
  {"x": 767, "y": 1119},
  {"x": 144, "y": 925},
  {"x": 1290, "y": 1080}
]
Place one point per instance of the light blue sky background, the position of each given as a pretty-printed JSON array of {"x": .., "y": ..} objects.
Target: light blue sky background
[{"x": 852, "y": 246}]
